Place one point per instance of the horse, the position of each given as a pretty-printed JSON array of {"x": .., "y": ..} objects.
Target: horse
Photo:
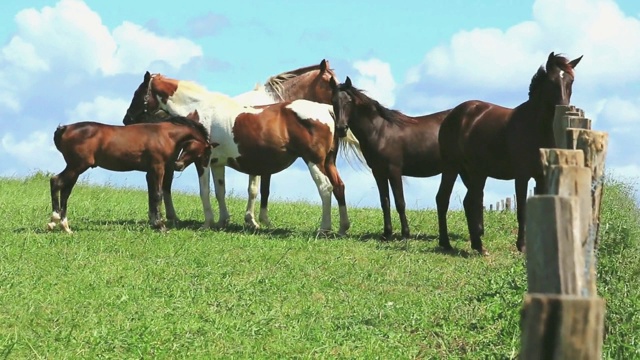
[
  {"x": 479, "y": 140},
  {"x": 310, "y": 83},
  {"x": 155, "y": 148},
  {"x": 392, "y": 144},
  {"x": 258, "y": 141}
]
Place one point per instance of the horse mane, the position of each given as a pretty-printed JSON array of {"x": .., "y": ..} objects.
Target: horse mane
[
  {"x": 541, "y": 75},
  {"x": 184, "y": 121},
  {"x": 276, "y": 83},
  {"x": 390, "y": 115}
]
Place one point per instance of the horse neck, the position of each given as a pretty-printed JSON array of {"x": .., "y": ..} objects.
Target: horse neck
[
  {"x": 297, "y": 88},
  {"x": 543, "y": 114},
  {"x": 365, "y": 122},
  {"x": 182, "y": 133}
]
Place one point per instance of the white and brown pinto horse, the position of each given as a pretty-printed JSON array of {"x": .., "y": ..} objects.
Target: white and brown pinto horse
[
  {"x": 257, "y": 141},
  {"x": 310, "y": 83}
]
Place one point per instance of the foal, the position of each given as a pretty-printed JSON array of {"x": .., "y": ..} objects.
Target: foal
[{"x": 152, "y": 148}]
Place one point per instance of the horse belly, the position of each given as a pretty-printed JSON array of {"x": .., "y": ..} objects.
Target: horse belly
[{"x": 261, "y": 161}]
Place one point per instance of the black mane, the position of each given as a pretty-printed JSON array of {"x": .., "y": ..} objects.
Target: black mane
[{"x": 390, "y": 115}]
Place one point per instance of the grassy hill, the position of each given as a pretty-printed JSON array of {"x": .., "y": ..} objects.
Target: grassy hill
[{"x": 116, "y": 289}]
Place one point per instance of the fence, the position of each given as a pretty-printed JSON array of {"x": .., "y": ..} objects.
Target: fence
[{"x": 562, "y": 315}]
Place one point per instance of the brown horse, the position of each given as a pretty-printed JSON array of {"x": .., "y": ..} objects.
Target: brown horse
[
  {"x": 255, "y": 140},
  {"x": 480, "y": 140},
  {"x": 392, "y": 143},
  {"x": 310, "y": 83},
  {"x": 152, "y": 148}
]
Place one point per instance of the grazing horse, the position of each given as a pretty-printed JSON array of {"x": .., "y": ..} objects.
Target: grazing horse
[
  {"x": 260, "y": 140},
  {"x": 152, "y": 148},
  {"x": 310, "y": 83},
  {"x": 392, "y": 143},
  {"x": 480, "y": 140}
]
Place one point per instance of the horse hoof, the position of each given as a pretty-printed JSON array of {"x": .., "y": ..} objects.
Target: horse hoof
[
  {"x": 482, "y": 252},
  {"x": 252, "y": 225},
  {"x": 51, "y": 226},
  {"x": 323, "y": 232},
  {"x": 446, "y": 247},
  {"x": 221, "y": 224}
]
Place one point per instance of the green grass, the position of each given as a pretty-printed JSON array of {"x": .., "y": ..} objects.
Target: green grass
[{"x": 116, "y": 289}]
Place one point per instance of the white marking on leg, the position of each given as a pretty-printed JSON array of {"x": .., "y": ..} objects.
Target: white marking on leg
[
  {"x": 345, "y": 224},
  {"x": 65, "y": 225},
  {"x": 205, "y": 197},
  {"x": 309, "y": 110},
  {"x": 264, "y": 217},
  {"x": 249, "y": 217},
  {"x": 55, "y": 220},
  {"x": 219, "y": 187},
  {"x": 324, "y": 188}
]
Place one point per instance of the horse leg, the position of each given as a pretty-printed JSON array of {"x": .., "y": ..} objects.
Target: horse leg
[
  {"x": 395, "y": 179},
  {"x": 521, "y": 206},
  {"x": 383, "y": 190},
  {"x": 443, "y": 197},
  {"x": 205, "y": 198},
  {"x": 155, "y": 193},
  {"x": 324, "y": 188},
  {"x": 265, "y": 183},
  {"x": 474, "y": 212},
  {"x": 69, "y": 180},
  {"x": 219, "y": 187},
  {"x": 249, "y": 217},
  {"x": 172, "y": 218},
  {"x": 56, "y": 183},
  {"x": 338, "y": 193}
]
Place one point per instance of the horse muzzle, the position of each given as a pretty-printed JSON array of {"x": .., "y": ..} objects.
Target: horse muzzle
[
  {"x": 179, "y": 166},
  {"x": 341, "y": 131}
]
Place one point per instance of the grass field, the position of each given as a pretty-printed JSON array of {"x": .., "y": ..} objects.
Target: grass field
[{"x": 116, "y": 289}]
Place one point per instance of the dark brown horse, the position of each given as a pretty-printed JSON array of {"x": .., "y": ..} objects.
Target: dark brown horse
[
  {"x": 392, "y": 143},
  {"x": 156, "y": 149},
  {"x": 480, "y": 140},
  {"x": 309, "y": 83}
]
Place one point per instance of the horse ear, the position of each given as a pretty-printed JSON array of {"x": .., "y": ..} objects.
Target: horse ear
[
  {"x": 348, "y": 82},
  {"x": 575, "y": 62},
  {"x": 193, "y": 116},
  {"x": 323, "y": 65},
  {"x": 550, "y": 61},
  {"x": 334, "y": 83},
  {"x": 147, "y": 76}
]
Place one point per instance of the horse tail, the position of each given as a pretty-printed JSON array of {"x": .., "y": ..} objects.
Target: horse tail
[
  {"x": 352, "y": 152},
  {"x": 57, "y": 135}
]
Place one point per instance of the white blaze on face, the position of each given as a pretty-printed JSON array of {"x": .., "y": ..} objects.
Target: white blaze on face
[
  {"x": 561, "y": 74},
  {"x": 309, "y": 110}
]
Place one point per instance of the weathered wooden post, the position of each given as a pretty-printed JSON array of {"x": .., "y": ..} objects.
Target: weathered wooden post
[
  {"x": 562, "y": 317},
  {"x": 507, "y": 204}
]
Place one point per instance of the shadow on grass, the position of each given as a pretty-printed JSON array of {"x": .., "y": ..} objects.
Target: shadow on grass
[{"x": 397, "y": 237}]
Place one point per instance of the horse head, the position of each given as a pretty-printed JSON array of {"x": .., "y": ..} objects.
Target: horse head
[
  {"x": 147, "y": 98},
  {"x": 342, "y": 105},
  {"x": 309, "y": 83},
  {"x": 555, "y": 81}
]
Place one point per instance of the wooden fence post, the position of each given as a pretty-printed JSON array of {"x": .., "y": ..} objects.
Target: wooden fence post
[
  {"x": 562, "y": 327},
  {"x": 562, "y": 316}
]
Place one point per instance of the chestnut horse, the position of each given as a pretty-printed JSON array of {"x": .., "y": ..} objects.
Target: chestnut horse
[
  {"x": 310, "y": 83},
  {"x": 152, "y": 148},
  {"x": 392, "y": 143},
  {"x": 479, "y": 140},
  {"x": 254, "y": 140}
]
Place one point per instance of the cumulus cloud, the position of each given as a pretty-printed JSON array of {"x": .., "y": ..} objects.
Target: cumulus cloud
[
  {"x": 374, "y": 76},
  {"x": 101, "y": 109},
  {"x": 35, "y": 151}
]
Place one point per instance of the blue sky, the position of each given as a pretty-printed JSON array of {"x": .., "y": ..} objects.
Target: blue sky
[{"x": 71, "y": 60}]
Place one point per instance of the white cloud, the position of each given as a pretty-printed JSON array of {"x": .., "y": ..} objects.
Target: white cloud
[
  {"x": 70, "y": 39},
  {"x": 374, "y": 76},
  {"x": 36, "y": 151},
  {"x": 506, "y": 60},
  {"x": 101, "y": 109}
]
